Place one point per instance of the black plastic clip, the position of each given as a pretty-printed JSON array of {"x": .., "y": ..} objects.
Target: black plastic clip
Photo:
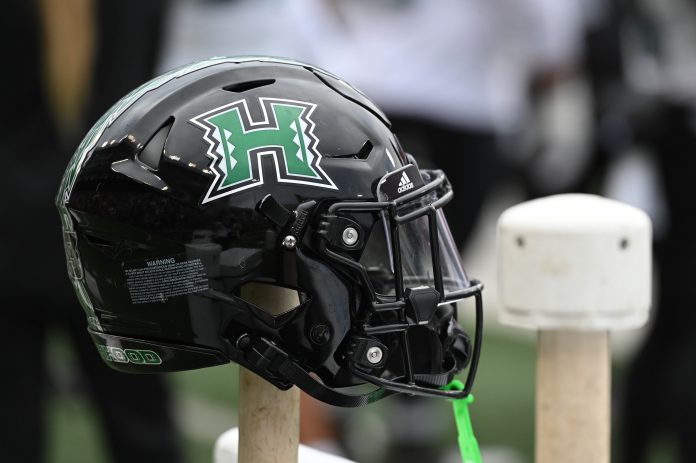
[
  {"x": 274, "y": 211},
  {"x": 332, "y": 228},
  {"x": 264, "y": 358},
  {"x": 301, "y": 215},
  {"x": 367, "y": 352},
  {"x": 421, "y": 303}
]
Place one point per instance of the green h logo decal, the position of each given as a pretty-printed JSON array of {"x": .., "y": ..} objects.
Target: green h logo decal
[{"x": 236, "y": 144}]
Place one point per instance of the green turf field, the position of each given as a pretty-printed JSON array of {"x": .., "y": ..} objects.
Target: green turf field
[{"x": 206, "y": 405}]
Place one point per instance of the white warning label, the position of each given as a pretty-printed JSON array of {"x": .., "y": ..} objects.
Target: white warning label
[{"x": 160, "y": 279}]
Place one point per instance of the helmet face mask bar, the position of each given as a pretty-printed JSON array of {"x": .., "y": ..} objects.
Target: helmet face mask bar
[
  {"x": 166, "y": 218},
  {"x": 424, "y": 272}
]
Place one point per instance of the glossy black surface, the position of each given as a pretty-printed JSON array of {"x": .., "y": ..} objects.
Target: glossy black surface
[{"x": 125, "y": 211}]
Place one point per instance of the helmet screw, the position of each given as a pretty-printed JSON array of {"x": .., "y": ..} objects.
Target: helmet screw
[
  {"x": 350, "y": 236},
  {"x": 374, "y": 355},
  {"x": 290, "y": 242},
  {"x": 243, "y": 341},
  {"x": 320, "y": 334}
]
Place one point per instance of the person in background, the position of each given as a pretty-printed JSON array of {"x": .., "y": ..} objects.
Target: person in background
[
  {"x": 453, "y": 77},
  {"x": 650, "y": 120},
  {"x": 66, "y": 62},
  {"x": 640, "y": 61}
]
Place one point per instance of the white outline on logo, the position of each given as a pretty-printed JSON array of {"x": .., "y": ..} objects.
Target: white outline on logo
[{"x": 217, "y": 159}]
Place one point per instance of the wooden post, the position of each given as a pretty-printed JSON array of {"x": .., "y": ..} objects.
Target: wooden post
[
  {"x": 69, "y": 40},
  {"x": 269, "y": 419},
  {"x": 574, "y": 267},
  {"x": 573, "y": 397}
]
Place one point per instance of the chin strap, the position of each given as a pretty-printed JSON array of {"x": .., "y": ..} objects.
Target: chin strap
[
  {"x": 304, "y": 381},
  {"x": 269, "y": 361}
]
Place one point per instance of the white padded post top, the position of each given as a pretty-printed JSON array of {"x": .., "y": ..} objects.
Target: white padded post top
[
  {"x": 574, "y": 261},
  {"x": 226, "y": 451}
]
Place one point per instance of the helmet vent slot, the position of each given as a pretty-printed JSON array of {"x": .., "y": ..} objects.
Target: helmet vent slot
[
  {"x": 248, "y": 85},
  {"x": 107, "y": 246},
  {"x": 98, "y": 241},
  {"x": 363, "y": 153},
  {"x": 152, "y": 153}
]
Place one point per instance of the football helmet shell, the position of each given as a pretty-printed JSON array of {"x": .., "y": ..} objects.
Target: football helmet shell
[{"x": 261, "y": 171}]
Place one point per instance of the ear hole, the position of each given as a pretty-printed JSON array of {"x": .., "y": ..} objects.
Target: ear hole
[{"x": 271, "y": 299}]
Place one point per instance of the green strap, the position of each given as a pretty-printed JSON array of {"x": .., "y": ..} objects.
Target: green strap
[{"x": 468, "y": 445}]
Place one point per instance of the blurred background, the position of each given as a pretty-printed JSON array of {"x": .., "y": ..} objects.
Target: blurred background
[{"x": 514, "y": 99}]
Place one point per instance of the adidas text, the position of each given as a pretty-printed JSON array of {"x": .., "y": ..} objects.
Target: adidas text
[{"x": 405, "y": 183}]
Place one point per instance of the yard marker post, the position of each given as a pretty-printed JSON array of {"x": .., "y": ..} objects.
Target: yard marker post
[{"x": 574, "y": 267}]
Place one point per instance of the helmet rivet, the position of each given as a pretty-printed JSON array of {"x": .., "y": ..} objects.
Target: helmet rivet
[
  {"x": 290, "y": 242},
  {"x": 350, "y": 236},
  {"x": 320, "y": 334},
  {"x": 243, "y": 341},
  {"x": 374, "y": 355}
]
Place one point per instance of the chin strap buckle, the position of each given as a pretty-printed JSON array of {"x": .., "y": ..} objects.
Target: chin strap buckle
[
  {"x": 270, "y": 362},
  {"x": 265, "y": 358}
]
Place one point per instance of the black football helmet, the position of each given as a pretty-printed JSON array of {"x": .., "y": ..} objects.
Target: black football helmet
[{"x": 258, "y": 171}]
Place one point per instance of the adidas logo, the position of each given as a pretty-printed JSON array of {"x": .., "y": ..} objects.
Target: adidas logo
[{"x": 405, "y": 183}]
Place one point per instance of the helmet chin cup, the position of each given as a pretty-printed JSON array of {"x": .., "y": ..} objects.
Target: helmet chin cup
[{"x": 421, "y": 303}]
